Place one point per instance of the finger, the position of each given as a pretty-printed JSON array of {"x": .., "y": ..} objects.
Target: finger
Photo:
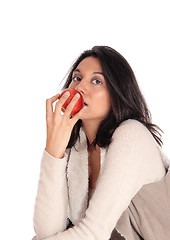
[
  {"x": 49, "y": 104},
  {"x": 78, "y": 115},
  {"x": 60, "y": 103},
  {"x": 71, "y": 105}
]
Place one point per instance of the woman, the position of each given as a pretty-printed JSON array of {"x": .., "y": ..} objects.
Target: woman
[{"x": 103, "y": 174}]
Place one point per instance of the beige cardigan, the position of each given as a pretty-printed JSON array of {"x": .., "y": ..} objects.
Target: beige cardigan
[{"x": 132, "y": 160}]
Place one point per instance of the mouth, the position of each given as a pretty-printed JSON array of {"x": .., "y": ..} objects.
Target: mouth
[{"x": 85, "y": 104}]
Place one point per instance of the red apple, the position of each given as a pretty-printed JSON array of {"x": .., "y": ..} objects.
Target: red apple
[{"x": 79, "y": 104}]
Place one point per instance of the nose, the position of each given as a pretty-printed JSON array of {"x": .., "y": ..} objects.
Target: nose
[{"x": 81, "y": 87}]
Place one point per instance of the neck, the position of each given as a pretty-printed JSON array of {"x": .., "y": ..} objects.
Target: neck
[{"x": 91, "y": 129}]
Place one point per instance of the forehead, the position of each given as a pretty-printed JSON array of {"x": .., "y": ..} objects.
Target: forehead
[{"x": 90, "y": 64}]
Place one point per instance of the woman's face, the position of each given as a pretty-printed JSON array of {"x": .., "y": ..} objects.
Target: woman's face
[{"x": 88, "y": 79}]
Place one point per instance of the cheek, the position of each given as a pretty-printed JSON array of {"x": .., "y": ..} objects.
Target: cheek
[
  {"x": 70, "y": 85},
  {"x": 103, "y": 98},
  {"x": 105, "y": 102}
]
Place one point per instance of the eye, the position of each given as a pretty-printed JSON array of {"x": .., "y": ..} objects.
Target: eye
[
  {"x": 76, "y": 78},
  {"x": 97, "y": 82}
]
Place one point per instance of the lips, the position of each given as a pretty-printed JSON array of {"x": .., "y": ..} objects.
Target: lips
[{"x": 85, "y": 104}]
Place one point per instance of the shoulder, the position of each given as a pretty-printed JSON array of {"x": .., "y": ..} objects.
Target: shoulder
[
  {"x": 134, "y": 146},
  {"x": 133, "y": 140},
  {"x": 131, "y": 130},
  {"x": 131, "y": 125}
]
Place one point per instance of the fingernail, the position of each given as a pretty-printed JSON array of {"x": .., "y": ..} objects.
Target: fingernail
[{"x": 67, "y": 94}]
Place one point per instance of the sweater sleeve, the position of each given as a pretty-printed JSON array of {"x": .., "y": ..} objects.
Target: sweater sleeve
[
  {"x": 132, "y": 160},
  {"x": 50, "y": 210}
]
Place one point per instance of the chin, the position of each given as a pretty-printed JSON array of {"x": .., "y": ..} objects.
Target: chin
[{"x": 91, "y": 118}]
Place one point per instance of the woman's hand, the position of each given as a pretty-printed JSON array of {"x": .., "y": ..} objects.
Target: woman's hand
[{"x": 59, "y": 127}]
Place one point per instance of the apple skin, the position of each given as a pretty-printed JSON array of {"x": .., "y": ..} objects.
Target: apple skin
[{"x": 78, "y": 105}]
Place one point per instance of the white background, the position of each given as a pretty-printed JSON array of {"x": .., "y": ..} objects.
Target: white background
[{"x": 39, "y": 40}]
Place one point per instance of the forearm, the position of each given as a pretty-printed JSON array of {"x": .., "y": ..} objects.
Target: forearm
[{"x": 50, "y": 212}]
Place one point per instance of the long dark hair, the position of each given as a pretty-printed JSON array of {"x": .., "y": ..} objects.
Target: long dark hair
[{"x": 126, "y": 98}]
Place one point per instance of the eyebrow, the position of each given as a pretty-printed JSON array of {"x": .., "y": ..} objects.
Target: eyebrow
[
  {"x": 77, "y": 70},
  {"x": 99, "y": 73}
]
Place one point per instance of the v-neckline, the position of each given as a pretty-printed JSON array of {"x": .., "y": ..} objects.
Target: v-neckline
[{"x": 94, "y": 165}]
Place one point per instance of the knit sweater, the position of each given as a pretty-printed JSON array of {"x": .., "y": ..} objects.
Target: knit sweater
[{"x": 132, "y": 160}]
